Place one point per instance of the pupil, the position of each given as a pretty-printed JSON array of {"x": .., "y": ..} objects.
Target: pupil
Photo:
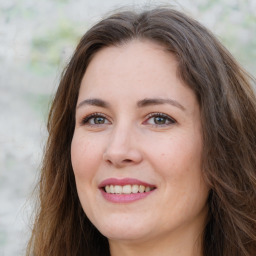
[
  {"x": 99, "y": 120},
  {"x": 159, "y": 120}
]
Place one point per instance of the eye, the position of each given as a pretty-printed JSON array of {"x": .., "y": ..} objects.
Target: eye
[
  {"x": 159, "y": 119},
  {"x": 95, "y": 119}
]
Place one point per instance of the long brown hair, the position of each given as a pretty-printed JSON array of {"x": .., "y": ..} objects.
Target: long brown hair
[{"x": 228, "y": 111}]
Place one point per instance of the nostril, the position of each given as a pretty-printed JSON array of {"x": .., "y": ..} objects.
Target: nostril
[{"x": 127, "y": 161}]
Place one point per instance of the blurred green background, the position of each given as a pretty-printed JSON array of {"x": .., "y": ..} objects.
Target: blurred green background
[{"x": 37, "y": 39}]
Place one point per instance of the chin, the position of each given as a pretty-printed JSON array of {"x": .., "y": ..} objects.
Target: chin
[
  {"x": 124, "y": 235},
  {"x": 123, "y": 230}
]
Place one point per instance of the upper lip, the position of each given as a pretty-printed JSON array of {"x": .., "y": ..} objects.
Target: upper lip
[{"x": 123, "y": 182}]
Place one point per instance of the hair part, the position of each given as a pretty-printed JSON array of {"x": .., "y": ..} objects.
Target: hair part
[{"x": 228, "y": 112}]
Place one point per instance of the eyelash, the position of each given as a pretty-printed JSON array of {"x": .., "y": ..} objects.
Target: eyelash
[
  {"x": 162, "y": 115},
  {"x": 85, "y": 120}
]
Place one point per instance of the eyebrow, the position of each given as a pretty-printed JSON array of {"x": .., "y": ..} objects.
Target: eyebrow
[
  {"x": 142, "y": 103},
  {"x": 94, "y": 102},
  {"x": 157, "y": 101}
]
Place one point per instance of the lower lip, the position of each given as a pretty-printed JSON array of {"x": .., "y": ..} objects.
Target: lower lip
[{"x": 124, "y": 198}]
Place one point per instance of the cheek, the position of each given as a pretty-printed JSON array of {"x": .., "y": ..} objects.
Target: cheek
[
  {"x": 84, "y": 162},
  {"x": 83, "y": 156},
  {"x": 178, "y": 162},
  {"x": 176, "y": 155}
]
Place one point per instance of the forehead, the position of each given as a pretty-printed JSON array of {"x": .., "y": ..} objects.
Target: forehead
[
  {"x": 132, "y": 60},
  {"x": 138, "y": 69}
]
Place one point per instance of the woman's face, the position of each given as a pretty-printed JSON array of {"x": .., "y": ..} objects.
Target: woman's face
[{"x": 137, "y": 146}]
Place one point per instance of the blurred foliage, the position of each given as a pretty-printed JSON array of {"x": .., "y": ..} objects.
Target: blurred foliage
[
  {"x": 17, "y": 11},
  {"x": 62, "y": 1},
  {"x": 53, "y": 47},
  {"x": 3, "y": 237},
  {"x": 40, "y": 103},
  {"x": 235, "y": 26}
]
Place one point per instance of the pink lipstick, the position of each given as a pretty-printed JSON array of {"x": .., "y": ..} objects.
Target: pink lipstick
[{"x": 125, "y": 190}]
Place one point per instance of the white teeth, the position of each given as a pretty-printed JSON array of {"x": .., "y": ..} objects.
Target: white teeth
[
  {"x": 107, "y": 188},
  {"x": 147, "y": 189},
  {"x": 126, "y": 189},
  {"x": 118, "y": 189},
  {"x": 135, "y": 189},
  {"x": 141, "y": 188},
  {"x": 112, "y": 191}
]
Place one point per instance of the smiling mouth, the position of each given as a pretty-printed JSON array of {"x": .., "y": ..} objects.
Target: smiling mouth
[{"x": 127, "y": 189}]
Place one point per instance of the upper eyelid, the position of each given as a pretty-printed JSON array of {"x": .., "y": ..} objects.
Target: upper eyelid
[
  {"x": 96, "y": 114},
  {"x": 85, "y": 118},
  {"x": 157, "y": 113},
  {"x": 153, "y": 114}
]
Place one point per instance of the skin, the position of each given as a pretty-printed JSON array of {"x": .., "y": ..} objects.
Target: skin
[{"x": 126, "y": 140}]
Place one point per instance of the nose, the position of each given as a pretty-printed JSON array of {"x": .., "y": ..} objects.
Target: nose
[{"x": 122, "y": 148}]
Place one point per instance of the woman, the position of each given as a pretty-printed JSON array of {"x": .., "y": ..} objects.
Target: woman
[{"x": 151, "y": 147}]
